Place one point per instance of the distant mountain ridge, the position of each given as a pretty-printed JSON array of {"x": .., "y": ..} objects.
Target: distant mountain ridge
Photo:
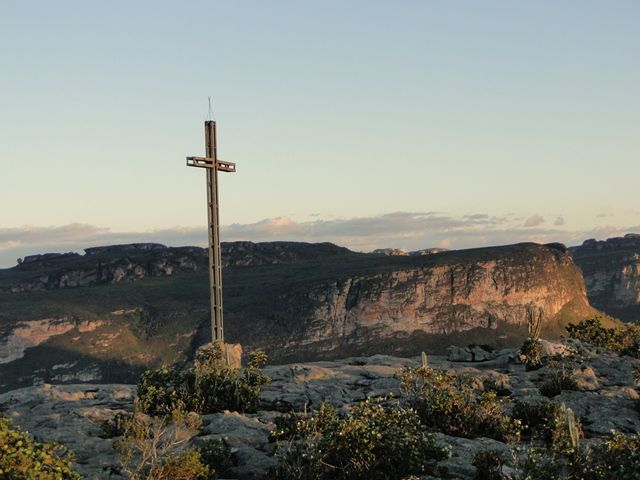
[
  {"x": 129, "y": 262},
  {"x": 612, "y": 274},
  {"x": 106, "y": 315}
]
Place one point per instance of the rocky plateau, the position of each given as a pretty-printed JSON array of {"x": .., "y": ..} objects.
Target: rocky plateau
[{"x": 72, "y": 414}]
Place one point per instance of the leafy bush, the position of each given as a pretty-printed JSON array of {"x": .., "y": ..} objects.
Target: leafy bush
[
  {"x": 210, "y": 386},
  {"x": 154, "y": 448},
  {"x": 531, "y": 351},
  {"x": 216, "y": 455},
  {"x": 549, "y": 422},
  {"x": 453, "y": 404},
  {"x": 559, "y": 377},
  {"x": 22, "y": 458},
  {"x": 591, "y": 331},
  {"x": 616, "y": 458},
  {"x": 489, "y": 465},
  {"x": 625, "y": 340},
  {"x": 372, "y": 442}
]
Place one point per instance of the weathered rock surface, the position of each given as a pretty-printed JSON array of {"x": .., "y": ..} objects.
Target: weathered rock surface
[
  {"x": 72, "y": 414},
  {"x": 612, "y": 274}
]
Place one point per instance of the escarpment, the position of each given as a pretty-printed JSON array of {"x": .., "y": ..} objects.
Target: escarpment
[
  {"x": 296, "y": 301},
  {"x": 488, "y": 292},
  {"x": 612, "y": 274}
]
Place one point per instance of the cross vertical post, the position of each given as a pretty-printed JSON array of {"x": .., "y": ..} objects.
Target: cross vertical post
[{"x": 212, "y": 166}]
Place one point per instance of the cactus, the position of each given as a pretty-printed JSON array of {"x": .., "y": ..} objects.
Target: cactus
[
  {"x": 425, "y": 363},
  {"x": 572, "y": 428},
  {"x": 535, "y": 323}
]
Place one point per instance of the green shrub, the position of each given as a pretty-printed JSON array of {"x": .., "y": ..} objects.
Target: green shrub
[
  {"x": 549, "y": 422},
  {"x": 591, "y": 331},
  {"x": 372, "y": 442},
  {"x": 294, "y": 425},
  {"x": 155, "y": 448},
  {"x": 531, "y": 350},
  {"x": 489, "y": 465},
  {"x": 216, "y": 455},
  {"x": 616, "y": 458},
  {"x": 560, "y": 376},
  {"x": 455, "y": 405},
  {"x": 625, "y": 340},
  {"x": 210, "y": 386},
  {"x": 22, "y": 458}
]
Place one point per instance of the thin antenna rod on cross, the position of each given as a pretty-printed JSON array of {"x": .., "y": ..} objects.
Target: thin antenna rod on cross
[
  {"x": 212, "y": 165},
  {"x": 211, "y": 117}
]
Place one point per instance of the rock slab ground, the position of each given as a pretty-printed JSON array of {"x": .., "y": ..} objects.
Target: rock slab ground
[{"x": 72, "y": 414}]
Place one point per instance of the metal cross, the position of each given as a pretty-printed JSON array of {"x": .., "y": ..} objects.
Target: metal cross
[{"x": 213, "y": 165}]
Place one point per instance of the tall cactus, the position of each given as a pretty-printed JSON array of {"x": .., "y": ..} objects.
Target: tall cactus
[
  {"x": 535, "y": 322},
  {"x": 572, "y": 428},
  {"x": 425, "y": 363}
]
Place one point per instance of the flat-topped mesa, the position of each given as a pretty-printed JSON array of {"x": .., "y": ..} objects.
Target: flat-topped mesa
[
  {"x": 612, "y": 274},
  {"x": 411, "y": 303}
]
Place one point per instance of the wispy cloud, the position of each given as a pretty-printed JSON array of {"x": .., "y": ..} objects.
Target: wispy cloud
[
  {"x": 406, "y": 230},
  {"x": 534, "y": 221}
]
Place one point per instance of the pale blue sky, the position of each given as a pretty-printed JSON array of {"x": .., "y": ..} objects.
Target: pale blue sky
[{"x": 338, "y": 113}]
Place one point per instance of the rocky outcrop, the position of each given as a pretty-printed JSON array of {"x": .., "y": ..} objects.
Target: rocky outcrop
[
  {"x": 439, "y": 295},
  {"x": 604, "y": 399},
  {"x": 612, "y": 274}
]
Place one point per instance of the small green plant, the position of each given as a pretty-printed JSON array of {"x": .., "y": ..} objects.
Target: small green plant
[
  {"x": 456, "y": 405},
  {"x": 372, "y": 442},
  {"x": 22, "y": 458},
  {"x": 560, "y": 376},
  {"x": 210, "y": 386},
  {"x": 489, "y": 465},
  {"x": 115, "y": 427}
]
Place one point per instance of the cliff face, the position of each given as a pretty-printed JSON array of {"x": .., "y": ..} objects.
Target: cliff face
[
  {"x": 296, "y": 301},
  {"x": 612, "y": 274},
  {"x": 454, "y": 293}
]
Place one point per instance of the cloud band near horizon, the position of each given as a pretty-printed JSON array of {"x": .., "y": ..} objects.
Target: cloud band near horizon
[{"x": 404, "y": 230}]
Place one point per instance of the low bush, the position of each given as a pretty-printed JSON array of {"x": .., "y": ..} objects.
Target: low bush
[
  {"x": 455, "y": 405},
  {"x": 560, "y": 376},
  {"x": 210, "y": 386},
  {"x": 216, "y": 455},
  {"x": 625, "y": 340},
  {"x": 531, "y": 351},
  {"x": 22, "y": 458},
  {"x": 549, "y": 422},
  {"x": 616, "y": 458},
  {"x": 372, "y": 442},
  {"x": 489, "y": 465},
  {"x": 155, "y": 448}
]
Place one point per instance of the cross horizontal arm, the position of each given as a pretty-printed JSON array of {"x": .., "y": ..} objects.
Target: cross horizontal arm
[{"x": 206, "y": 162}]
